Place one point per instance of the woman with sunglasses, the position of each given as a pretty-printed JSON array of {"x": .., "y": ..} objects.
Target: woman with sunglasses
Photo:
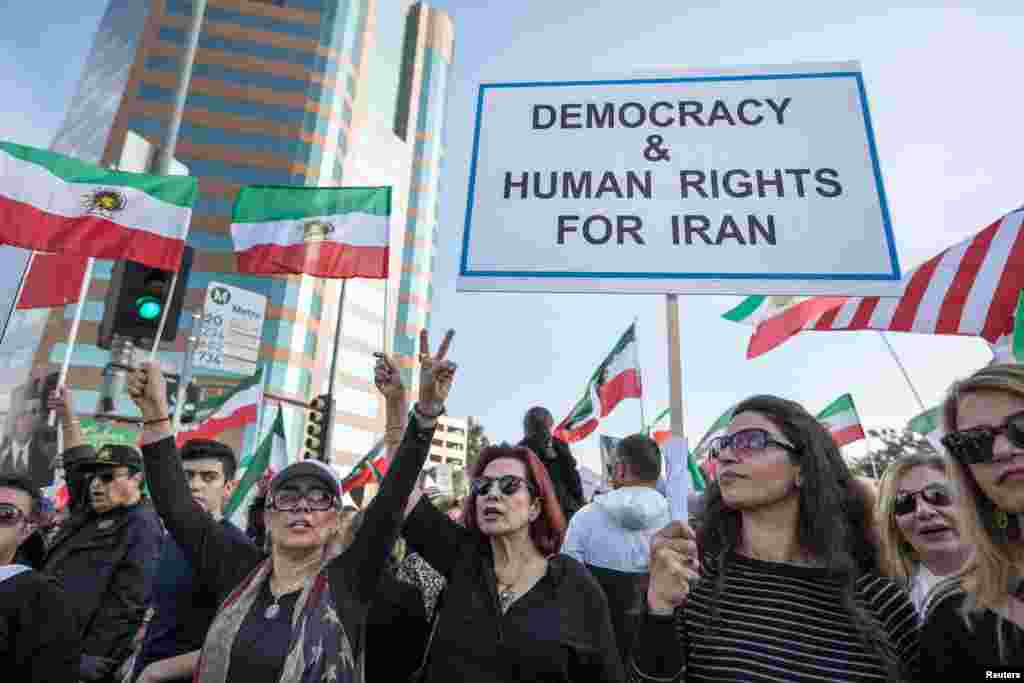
[
  {"x": 784, "y": 589},
  {"x": 976, "y": 622},
  {"x": 297, "y": 614},
  {"x": 513, "y": 609},
  {"x": 920, "y": 541}
]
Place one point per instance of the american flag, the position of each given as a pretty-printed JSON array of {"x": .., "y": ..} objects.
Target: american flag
[{"x": 969, "y": 289}]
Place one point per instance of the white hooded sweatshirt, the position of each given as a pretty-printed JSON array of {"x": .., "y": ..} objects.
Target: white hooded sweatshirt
[{"x": 614, "y": 532}]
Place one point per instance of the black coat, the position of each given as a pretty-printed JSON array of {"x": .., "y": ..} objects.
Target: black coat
[
  {"x": 563, "y": 472},
  {"x": 396, "y": 631},
  {"x": 39, "y": 639},
  {"x": 559, "y": 631},
  {"x": 107, "y": 564}
]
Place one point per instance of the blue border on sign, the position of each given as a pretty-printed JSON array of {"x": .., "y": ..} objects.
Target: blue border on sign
[{"x": 872, "y": 150}]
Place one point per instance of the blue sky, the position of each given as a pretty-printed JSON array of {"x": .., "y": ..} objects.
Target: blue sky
[{"x": 942, "y": 84}]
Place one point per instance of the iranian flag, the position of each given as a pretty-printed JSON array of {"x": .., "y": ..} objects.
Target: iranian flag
[
  {"x": 662, "y": 436},
  {"x": 778, "y": 317},
  {"x": 616, "y": 379},
  {"x": 842, "y": 420},
  {"x": 235, "y": 409},
  {"x": 270, "y": 458},
  {"x": 53, "y": 203},
  {"x": 372, "y": 467},
  {"x": 330, "y": 232}
]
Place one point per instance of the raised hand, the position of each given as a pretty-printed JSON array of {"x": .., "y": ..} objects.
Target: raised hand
[
  {"x": 60, "y": 402},
  {"x": 674, "y": 566},
  {"x": 148, "y": 390},
  {"x": 436, "y": 376},
  {"x": 387, "y": 378}
]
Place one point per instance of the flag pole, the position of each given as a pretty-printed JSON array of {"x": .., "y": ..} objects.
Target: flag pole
[
  {"x": 166, "y": 151},
  {"x": 83, "y": 292},
  {"x": 899, "y": 364},
  {"x": 675, "y": 368},
  {"x": 328, "y": 448},
  {"x": 24, "y": 278}
]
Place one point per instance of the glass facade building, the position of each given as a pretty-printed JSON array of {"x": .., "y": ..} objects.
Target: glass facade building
[{"x": 276, "y": 97}]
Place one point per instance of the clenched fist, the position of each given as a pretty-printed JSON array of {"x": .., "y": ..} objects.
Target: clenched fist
[{"x": 674, "y": 566}]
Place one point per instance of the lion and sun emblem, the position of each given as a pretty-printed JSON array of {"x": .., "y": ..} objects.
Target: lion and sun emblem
[{"x": 105, "y": 202}]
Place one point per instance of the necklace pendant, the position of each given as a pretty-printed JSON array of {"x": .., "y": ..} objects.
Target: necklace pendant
[{"x": 272, "y": 611}]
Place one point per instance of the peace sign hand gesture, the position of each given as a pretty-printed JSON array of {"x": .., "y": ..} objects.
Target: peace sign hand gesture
[
  {"x": 436, "y": 376},
  {"x": 387, "y": 378}
]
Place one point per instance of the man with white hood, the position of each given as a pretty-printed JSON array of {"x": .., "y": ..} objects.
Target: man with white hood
[{"x": 612, "y": 535}]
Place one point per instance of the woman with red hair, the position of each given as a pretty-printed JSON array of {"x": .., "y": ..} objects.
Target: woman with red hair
[{"x": 513, "y": 609}]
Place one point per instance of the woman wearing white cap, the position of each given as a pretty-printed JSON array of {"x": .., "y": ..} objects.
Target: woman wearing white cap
[{"x": 297, "y": 615}]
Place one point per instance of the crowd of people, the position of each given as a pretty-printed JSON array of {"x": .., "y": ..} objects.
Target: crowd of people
[{"x": 793, "y": 570}]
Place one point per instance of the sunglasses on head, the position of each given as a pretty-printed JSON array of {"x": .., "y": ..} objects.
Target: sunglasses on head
[
  {"x": 508, "y": 484},
  {"x": 318, "y": 500},
  {"x": 753, "y": 440},
  {"x": 975, "y": 446},
  {"x": 936, "y": 495},
  {"x": 11, "y": 515}
]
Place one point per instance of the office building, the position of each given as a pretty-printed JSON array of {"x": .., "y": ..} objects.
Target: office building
[{"x": 278, "y": 96}]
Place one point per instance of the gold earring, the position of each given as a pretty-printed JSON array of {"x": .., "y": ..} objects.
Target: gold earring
[{"x": 1002, "y": 519}]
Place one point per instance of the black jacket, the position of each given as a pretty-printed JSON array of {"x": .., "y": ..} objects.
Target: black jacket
[
  {"x": 559, "y": 631},
  {"x": 563, "y": 472},
  {"x": 221, "y": 561},
  {"x": 106, "y": 564},
  {"x": 39, "y": 639},
  {"x": 396, "y": 631}
]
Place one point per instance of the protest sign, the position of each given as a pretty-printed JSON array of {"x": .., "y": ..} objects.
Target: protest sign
[{"x": 760, "y": 182}]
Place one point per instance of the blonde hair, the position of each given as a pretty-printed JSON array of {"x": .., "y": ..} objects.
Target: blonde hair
[
  {"x": 896, "y": 557},
  {"x": 986, "y": 577}
]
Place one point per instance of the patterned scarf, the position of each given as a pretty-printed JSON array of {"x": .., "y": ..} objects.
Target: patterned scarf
[{"x": 319, "y": 650}]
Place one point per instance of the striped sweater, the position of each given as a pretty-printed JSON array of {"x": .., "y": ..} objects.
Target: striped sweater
[{"x": 777, "y": 623}]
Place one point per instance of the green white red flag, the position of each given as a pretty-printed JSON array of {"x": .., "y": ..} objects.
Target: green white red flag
[
  {"x": 929, "y": 425},
  {"x": 1010, "y": 348},
  {"x": 53, "y": 203},
  {"x": 372, "y": 467},
  {"x": 969, "y": 289},
  {"x": 616, "y": 379},
  {"x": 330, "y": 232},
  {"x": 234, "y": 410},
  {"x": 778, "y": 317},
  {"x": 270, "y": 458},
  {"x": 842, "y": 420}
]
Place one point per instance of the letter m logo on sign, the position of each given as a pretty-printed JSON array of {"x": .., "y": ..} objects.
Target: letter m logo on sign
[{"x": 220, "y": 295}]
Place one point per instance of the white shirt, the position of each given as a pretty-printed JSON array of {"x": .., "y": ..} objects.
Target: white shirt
[{"x": 19, "y": 455}]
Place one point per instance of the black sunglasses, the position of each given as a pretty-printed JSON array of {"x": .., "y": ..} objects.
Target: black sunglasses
[
  {"x": 508, "y": 484},
  {"x": 974, "y": 446},
  {"x": 936, "y": 495},
  {"x": 109, "y": 476},
  {"x": 749, "y": 440},
  {"x": 11, "y": 515}
]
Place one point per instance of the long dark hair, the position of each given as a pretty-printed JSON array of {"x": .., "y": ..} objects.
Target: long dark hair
[
  {"x": 833, "y": 524},
  {"x": 548, "y": 530}
]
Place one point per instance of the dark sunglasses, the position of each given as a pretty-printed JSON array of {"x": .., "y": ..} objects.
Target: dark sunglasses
[
  {"x": 974, "y": 446},
  {"x": 508, "y": 484},
  {"x": 10, "y": 515},
  {"x": 318, "y": 500},
  {"x": 107, "y": 477},
  {"x": 935, "y": 495},
  {"x": 753, "y": 440}
]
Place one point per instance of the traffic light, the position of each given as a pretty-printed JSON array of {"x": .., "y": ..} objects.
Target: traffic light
[
  {"x": 318, "y": 425},
  {"x": 137, "y": 298}
]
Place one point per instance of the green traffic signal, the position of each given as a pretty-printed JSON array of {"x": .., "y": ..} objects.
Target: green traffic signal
[{"x": 148, "y": 307}]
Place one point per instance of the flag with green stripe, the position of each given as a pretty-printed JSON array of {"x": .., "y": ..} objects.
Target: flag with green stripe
[
  {"x": 55, "y": 203},
  {"x": 330, "y": 232}
]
